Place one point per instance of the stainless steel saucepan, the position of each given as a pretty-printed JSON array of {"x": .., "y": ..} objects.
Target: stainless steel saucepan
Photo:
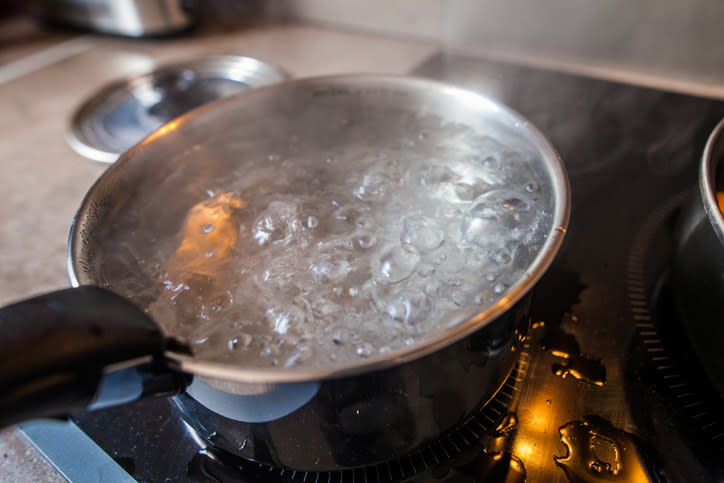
[
  {"x": 697, "y": 273},
  {"x": 90, "y": 347}
]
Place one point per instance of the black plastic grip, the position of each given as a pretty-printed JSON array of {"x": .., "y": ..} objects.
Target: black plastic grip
[{"x": 54, "y": 349}]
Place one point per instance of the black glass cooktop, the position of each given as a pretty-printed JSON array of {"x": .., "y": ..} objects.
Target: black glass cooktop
[{"x": 591, "y": 399}]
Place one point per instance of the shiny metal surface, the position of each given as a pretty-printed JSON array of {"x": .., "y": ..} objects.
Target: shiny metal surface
[
  {"x": 364, "y": 419},
  {"x": 214, "y": 132},
  {"x": 132, "y": 18},
  {"x": 698, "y": 269},
  {"x": 126, "y": 111},
  {"x": 711, "y": 179}
]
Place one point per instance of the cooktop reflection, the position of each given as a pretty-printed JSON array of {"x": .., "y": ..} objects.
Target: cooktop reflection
[{"x": 585, "y": 403}]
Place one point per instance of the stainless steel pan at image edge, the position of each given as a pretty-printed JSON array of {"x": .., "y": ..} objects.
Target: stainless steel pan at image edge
[
  {"x": 697, "y": 272},
  {"x": 91, "y": 347}
]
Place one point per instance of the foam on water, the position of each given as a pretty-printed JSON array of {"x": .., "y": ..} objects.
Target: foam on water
[{"x": 305, "y": 258}]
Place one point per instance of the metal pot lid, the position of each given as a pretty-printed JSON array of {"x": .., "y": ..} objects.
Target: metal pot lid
[{"x": 122, "y": 113}]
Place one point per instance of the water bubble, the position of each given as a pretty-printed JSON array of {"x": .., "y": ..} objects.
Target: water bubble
[
  {"x": 435, "y": 174},
  {"x": 448, "y": 257},
  {"x": 408, "y": 306},
  {"x": 322, "y": 308},
  {"x": 208, "y": 228},
  {"x": 312, "y": 222},
  {"x": 499, "y": 257},
  {"x": 347, "y": 213},
  {"x": 366, "y": 241},
  {"x": 374, "y": 186},
  {"x": 490, "y": 162},
  {"x": 459, "y": 298},
  {"x": 426, "y": 270},
  {"x": 531, "y": 187},
  {"x": 433, "y": 288},
  {"x": 240, "y": 342},
  {"x": 332, "y": 245},
  {"x": 364, "y": 222},
  {"x": 338, "y": 335},
  {"x": 329, "y": 267},
  {"x": 398, "y": 264},
  {"x": 465, "y": 192},
  {"x": 278, "y": 222},
  {"x": 365, "y": 349},
  {"x": 301, "y": 354},
  {"x": 468, "y": 192},
  {"x": 453, "y": 282},
  {"x": 219, "y": 302},
  {"x": 284, "y": 319},
  {"x": 494, "y": 215},
  {"x": 422, "y": 233}
]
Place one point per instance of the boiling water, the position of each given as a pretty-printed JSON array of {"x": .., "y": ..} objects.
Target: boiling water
[{"x": 301, "y": 259}]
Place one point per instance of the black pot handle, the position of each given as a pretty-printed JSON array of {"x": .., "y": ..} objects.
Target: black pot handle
[{"x": 78, "y": 348}]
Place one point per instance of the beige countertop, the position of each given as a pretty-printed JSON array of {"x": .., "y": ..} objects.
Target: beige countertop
[{"x": 42, "y": 180}]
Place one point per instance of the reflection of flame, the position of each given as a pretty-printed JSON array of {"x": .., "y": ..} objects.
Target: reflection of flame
[
  {"x": 166, "y": 128},
  {"x": 527, "y": 444},
  {"x": 208, "y": 236},
  {"x": 542, "y": 418},
  {"x": 523, "y": 449},
  {"x": 720, "y": 199},
  {"x": 583, "y": 369}
]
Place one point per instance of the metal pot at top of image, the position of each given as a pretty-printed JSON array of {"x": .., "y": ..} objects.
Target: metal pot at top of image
[
  {"x": 131, "y": 18},
  {"x": 271, "y": 168},
  {"x": 698, "y": 266}
]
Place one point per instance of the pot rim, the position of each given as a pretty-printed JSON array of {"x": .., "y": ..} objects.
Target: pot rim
[
  {"x": 561, "y": 213},
  {"x": 708, "y": 177}
]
